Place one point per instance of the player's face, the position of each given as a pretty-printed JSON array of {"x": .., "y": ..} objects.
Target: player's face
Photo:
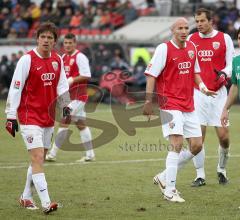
[
  {"x": 181, "y": 31},
  {"x": 204, "y": 25},
  {"x": 69, "y": 45},
  {"x": 46, "y": 42}
]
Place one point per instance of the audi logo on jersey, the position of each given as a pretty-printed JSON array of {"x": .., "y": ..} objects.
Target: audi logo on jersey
[
  {"x": 48, "y": 76},
  {"x": 184, "y": 65},
  {"x": 205, "y": 53}
]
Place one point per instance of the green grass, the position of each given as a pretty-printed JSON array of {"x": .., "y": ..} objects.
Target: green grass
[{"x": 124, "y": 190}]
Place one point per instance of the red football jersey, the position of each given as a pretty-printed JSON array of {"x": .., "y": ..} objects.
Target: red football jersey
[
  {"x": 40, "y": 91},
  {"x": 176, "y": 81},
  {"x": 211, "y": 54},
  {"x": 78, "y": 91}
]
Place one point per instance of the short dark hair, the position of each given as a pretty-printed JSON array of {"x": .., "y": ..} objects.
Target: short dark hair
[
  {"x": 48, "y": 26},
  {"x": 70, "y": 36},
  {"x": 208, "y": 13}
]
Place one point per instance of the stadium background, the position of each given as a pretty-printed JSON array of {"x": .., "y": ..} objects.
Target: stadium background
[{"x": 119, "y": 184}]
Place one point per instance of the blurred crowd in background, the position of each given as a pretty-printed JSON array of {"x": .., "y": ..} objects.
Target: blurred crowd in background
[{"x": 20, "y": 18}]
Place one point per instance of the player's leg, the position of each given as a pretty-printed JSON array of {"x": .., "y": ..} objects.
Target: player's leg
[
  {"x": 29, "y": 136},
  {"x": 85, "y": 133},
  {"x": 86, "y": 138},
  {"x": 60, "y": 137},
  {"x": 222, "y": 132},
  {"x": 174, "y": 132},
  {"x": 223, "y": 150},
  {"x": 198, "y": 161},
  {"x": 201, "y": 108},
  {"x": 26, "y": 199}
]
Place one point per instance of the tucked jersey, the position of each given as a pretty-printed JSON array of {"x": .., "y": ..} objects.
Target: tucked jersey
[
  {"x": 215, "y": 52},
  {"x": 236, "y": 72},
  {"x": 174, "y": 69},
  {"x": 34, "y": 89},
  {"x": 75, "y": 65}
]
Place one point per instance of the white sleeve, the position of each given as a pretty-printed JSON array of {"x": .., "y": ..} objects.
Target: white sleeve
[
  {"x": 229, "y": 55},
  {"x": 18, "y": 81},
  {"x": 158, "y": 61},
  {"x": 83, "y": 65},
  {"x": 196, "y": 66},
  {"x": 62, "y": 86}
]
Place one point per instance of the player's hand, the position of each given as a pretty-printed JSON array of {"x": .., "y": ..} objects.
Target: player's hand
[
  {"x": 224, "y": 118},
  {"x": 12, "y": 126},
  {"x": 221, "y": 78},
  {"x": 205, "y": 90},
  {"x": 148, "y": 109},
  {"x": 210, "y": 93},
  {"x": 70, "y": 81}
]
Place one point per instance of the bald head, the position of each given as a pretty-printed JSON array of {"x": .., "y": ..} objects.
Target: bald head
[
  {"x": 179, "y": 22},
  {"x": 180, "y": 31}
]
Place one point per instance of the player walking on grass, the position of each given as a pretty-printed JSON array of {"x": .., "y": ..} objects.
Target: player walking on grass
[
  {"x": 174, "y": 68},
  {"x": 77, "y": 70},
  {"x": 215, "y": 52},
  {"x": 235, "y": 87},
  {"x": 38, "y": 80}
]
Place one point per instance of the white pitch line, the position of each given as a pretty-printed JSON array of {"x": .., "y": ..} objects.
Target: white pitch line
[{"x": 24, "y": 165}]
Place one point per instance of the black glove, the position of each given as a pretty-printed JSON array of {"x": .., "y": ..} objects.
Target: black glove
[
  {"x": 221, "y": 77},
  {"x": 66, "y": 111},
  {"x": 12, "y": 126}
]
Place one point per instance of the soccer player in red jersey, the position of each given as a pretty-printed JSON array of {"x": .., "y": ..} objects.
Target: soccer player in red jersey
[
  {"x": 174, "y": 69},
  {"x": 215, "y": 53},
  {"x": 38, "y": 80},
  {"x": 78, "y": 72}
]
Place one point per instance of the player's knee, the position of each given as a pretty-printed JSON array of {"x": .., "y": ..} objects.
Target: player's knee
[
  {"x": 196, "y": 148},
  {"x": 81, "y": 126},
  {"x": 37, "y": 159},
  {"x": 224, "y": 142}
]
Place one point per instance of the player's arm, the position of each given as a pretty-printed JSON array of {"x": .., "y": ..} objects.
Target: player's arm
[
  {"x": 152, "y": 71},
  {"x": 84, "y": 69},
  {"x": 229, "y": 55},
  {"x": 198, "y": 80},
  {"x": 225, "y": 73},
  {"x": 63, "y": 92},
  {"x": 233, "y": 93},
  {"x": 232, "y": 96},
  {"x": 15, "y": 91}
]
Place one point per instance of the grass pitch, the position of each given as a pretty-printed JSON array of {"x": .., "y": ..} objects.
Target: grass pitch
[{"x": 118, "y": 185}]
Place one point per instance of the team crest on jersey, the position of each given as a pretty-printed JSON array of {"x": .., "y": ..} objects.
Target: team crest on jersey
[
  {"x": 71, "y": 62},
  {"x": 30, "y": 139},
  {"x": 17, "y": 84},
  {"x": 216, "y": 45},
  {"x": 191, "y": 54},
  {"x": 171, "y": 125},
  {"x": 55, "y": 65}
]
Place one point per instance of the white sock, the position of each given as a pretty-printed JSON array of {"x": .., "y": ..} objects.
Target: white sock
[
  {"x": 86, "y": 138},
  {"x": 223, "y": 158},
  {"x": 171, "y": 170},
  {"x": 198, "y": 162},
  {"x": 184, "y": 157},
  {"x": 59, "y": 140},
  {"x": 41, "y": 187},
  {"x": 27, "y": 193}
]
